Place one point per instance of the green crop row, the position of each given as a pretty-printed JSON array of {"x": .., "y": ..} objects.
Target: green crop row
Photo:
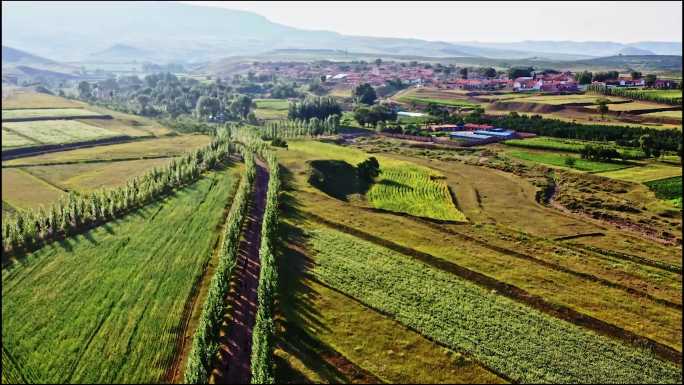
[
  {"x": 523, "y": 344},
  {"x": 204, "y": 343},
  {"x": 569, "y": 145},
  {"x": 264, "y": 326}
]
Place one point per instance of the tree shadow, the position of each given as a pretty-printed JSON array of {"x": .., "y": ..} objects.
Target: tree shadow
[{"x": 336, "y": 178}]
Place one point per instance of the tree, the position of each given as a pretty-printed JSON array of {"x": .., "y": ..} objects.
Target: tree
[
  {"x": 84, "y": 91},
  {"x": 584, "y": 77},
  {"x": 240, "y": 106},
  {"x": 378, "y": 61},
  {"x": 636, "y": 75},
  {"x": 368, "y": 170},
  {"x": 646, "y": 143},
  {"x": 602, "y": 106},
  {"x": 364, "y": 93},
  {"x": 489, "y": 72},
  {"x": 207, "y": 106},
  {"x": 517, "y": 72},
  {"x": 650, "y": 80},
  {"x": 463, "y": 72}
]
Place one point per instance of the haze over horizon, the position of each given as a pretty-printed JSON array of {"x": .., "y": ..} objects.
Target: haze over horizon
[{"x": 488, "y": 22}]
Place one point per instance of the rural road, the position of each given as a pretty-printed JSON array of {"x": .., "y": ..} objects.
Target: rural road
[{"x": 235, "y": 348}]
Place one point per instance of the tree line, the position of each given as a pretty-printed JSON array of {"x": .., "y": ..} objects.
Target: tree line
[
  {"x": 313, "y": 107},
  {"x": 263, "y": 333},
  {"x": 75, "y": 213},
  {"x": 665, "y": 140},
  {"x": 301, "y": 128},
  {"x": 632, "y": 93},
  {"x": 205, "y": 341}
]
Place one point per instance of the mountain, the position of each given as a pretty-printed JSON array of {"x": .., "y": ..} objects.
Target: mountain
[
  {"x": 634, "y": 51},
  {"x": 17, "y": 57},
  {"x": 122, "y": 53},
  {"x": 173, "y": 32},
  {"x": 586, "y": 48}
]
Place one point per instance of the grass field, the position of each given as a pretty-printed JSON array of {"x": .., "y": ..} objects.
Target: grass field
[
  {"x": 24, "y": 191},
  {"x": 669, "y": 189},
  {"x": 58, "y": 131},
  {"x": 414, "y": 191},
  {"x": 45, "y": 112},
  {"x": 89, "y": 177},
  {"x": 107, "y": 306},
  {"x": 633, "y": 106},
  {"x": 559, "y": 100},
  {"x": 558, "y": 160},
  {"x": 663, "y": 93},
  {"x": 271, "y": 109},
  {"x": 12, "y": 139},
  {"x": 165, "y": 146},
  {"x": 446, "y": 102},
  {"x": 649, "y": 172},
  {"x": 28, "y": 99},
  {"x": 462, "y": 315},
  {"x": 569, "y": 145},
  {"x": 665, "y": 114}
]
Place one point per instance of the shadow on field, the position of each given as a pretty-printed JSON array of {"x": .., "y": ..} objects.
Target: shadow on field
[{"x": 297, "y": 310}]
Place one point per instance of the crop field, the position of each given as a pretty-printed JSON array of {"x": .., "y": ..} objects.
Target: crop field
[
  {"x": 446, "y": 102},
  {"x": 492, "y": 328},
  {"x": 665, "y": 114},
  {"x": 88, "y": 177},
  {"x": 633, "y": 106},
  {"x": 46, "y": 112},
  {"x": 164, "y": 146},
  {"x": 414, "y": 191},
  {"x": 669, "y": 189},
  {"x": 558, "y": 160},
  {"x": 670, "y": 94},
  {"x": 559, "y": 100},
  {"x": 12, "y": 139},
  {"x": 15, "y": 99},
  {"x": 568, "y": 145},
  {"x": 24, "y": 191},
  {"x": 271, "y": 109},
  {"x": 131, "y": 278},
  {"x": 649, "y": 172},
  {"x": 59, "y": 131}
]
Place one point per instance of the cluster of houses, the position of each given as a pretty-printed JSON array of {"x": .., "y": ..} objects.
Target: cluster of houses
[{"x": 563, "y": 82}]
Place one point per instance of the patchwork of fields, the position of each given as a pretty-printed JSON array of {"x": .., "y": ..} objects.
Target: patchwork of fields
[
  {"x": 132, "y": 278},
  {"x": 57, "y": 131},
  {"x": 47, "y": 112}
]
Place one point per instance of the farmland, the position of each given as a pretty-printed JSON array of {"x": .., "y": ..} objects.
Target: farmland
[
  {"x": 271, "y": 109},
  {"x": 58, "y": 131},
  {"x": 566, "y": 145},
  {"x": 482, "y": 323},
  {"x": 25, "y": 191},
  {"x": 648, "y": 172},
  {"x": 46, "y": 112},
  {"x": 557, "y": 160},
  {"x": 634, "y": 106},
  {"x": 413, "y": 191},
  {"x": 558, "y": 100},
  {"x": 669, "y": 189},
  {"x": 140, "y": 301}
]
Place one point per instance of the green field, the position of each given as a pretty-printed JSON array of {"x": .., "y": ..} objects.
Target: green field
[
  {"x": 649, "y": 172},
  {"x": 669, "y": 189},
  {"x": 672, "y": 94},
  {"x": 58, "y": 131},
  {"x": 558, "y": 100},
  {"x": 46, "y": 112},
  {"x": 446, "y": 102},
  {"x": 633, "y": 106},
  {"x": 568, "y": 145},
  {"x": 12, "y": 139},
  {"x": 494, "y": 329},
  {"x": 271, "y": 109},
  {"x": 414, "y": 191},
  {"x": 107, "y": 306},
  {"x": 558, "y": 160}
]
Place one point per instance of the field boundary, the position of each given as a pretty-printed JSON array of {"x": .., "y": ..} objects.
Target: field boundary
[
  {"x": 25, "y": 152},
  {"x": 64, "y": 117},
  {"x": 513, "y": 292},
  {"x": 87, "y": 161}
]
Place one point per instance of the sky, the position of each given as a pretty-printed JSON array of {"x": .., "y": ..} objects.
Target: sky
[{"x": 618, "y": 21}]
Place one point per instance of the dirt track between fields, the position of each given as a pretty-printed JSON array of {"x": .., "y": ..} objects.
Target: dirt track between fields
[{"x": 235, "y": 340}]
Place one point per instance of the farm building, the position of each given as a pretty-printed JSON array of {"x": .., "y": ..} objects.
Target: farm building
[
  {"x": 443, "y": 127},
  {"x": 497, "y": 132},
  {"x": 467, "y": 135},
  {"x": 410, "y": 114}
]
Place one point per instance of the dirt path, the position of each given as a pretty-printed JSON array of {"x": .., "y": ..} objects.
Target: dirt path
[{"x": 235, "y": 341}]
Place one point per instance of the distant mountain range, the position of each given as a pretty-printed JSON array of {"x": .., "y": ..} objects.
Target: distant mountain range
[{"x": 171, "y": 32}]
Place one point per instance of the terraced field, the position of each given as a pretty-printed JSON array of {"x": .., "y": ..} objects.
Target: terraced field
[
  {"x": 58, "y": 131},
  {"x": 46, "y": 112},
  {"x": 132, "y": 279},
  {"x": 648, "y": 172},
  {"x": 557, "y": 160},
  {"x": 559, "y": 100},
  {"x": 634, "y": 106},
  {"x": 25, "y": 191}
]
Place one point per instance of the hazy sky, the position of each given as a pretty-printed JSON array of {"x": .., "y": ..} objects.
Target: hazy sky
[{"x": 617, "y": 21}]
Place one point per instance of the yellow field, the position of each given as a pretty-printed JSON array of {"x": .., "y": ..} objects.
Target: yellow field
[
  {"x": 167, "y": 146},
  {"x": 24, "y": 191},
  {"x": 631, "y": 106},
  {"x": 558, "y": 100},
  {"x": 28, "y": 99},
  {"x": 651, "y": 171}
]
